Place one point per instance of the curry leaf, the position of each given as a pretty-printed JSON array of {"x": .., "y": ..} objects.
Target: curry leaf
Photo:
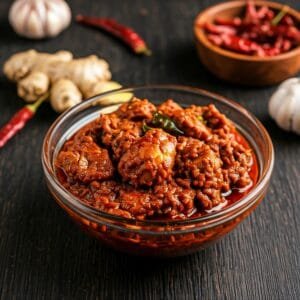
[{"x": 165, "y": 123}]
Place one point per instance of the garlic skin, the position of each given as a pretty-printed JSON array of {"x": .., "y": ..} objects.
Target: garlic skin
[
  {"x": 284, "y": 105},
  {"x": 37, "y": 19}
]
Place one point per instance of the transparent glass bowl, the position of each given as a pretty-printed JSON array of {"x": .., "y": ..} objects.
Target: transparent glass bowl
[{"x": 158, "y": 238}]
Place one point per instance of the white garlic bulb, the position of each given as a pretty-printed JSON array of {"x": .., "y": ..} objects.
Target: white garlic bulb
[
  {"x": 38, "y": 19},
  {"x": 284, "y": 105}
]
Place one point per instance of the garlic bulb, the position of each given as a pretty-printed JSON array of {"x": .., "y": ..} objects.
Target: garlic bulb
[
  {"x": 284, "y": 105},
  {"x": 38, "y": 19}
]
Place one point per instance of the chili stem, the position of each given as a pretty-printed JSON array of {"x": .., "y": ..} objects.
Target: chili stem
[
  {"x": 280, "y": 15},
  {"x": 34, "y": 106}
]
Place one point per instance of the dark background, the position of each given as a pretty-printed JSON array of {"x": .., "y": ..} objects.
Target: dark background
[{"x": 43, "y": 255}]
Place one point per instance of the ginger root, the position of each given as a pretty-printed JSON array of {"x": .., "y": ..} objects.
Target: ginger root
[
  {"x": 33, "y": 86},
  {"x": 64, "y": 94},
  {"x": 21, "y": 64},
  {"x": 85, "y": 72},
  {"x": 106, "y": 86},
  {"x": 37, "y": 73}
]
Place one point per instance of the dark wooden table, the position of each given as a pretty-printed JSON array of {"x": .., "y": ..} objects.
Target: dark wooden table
[{"x": 43, "y": 255}]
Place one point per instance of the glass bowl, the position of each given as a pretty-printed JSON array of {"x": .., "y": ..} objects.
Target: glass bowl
[{"x": 158, "y": 238}]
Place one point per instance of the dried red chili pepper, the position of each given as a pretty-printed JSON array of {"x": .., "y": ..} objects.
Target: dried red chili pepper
[
  {"x": 235, "y": 22},
  {"x": 251, "y": 13},
  {"x": 19, "y": 120},
  {"x": 241, "y": 45},
  {"x": 124, "y": 33},
  {"x": 286, "y": 45},
  {"x": 257, "y": 33},
  {"x": 289, "y": 32},
  {"x": 219, "y": 29},
  {"x": 215, "y": 39},
  {"x": 262, "y": 12},
  {"x": 288, "y": 20}
]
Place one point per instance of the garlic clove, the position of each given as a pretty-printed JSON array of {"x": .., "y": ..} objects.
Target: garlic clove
[
  {"x": 41, "y": 10},
  {"x": 62, "y": 11},
  {"x": 284, "y": 113},
  {"x": 22, "y": 12},
  {"x": 275, "y": 102},
  {"x": 53, "y": 24},
  {"x": 33, "y": 26}
]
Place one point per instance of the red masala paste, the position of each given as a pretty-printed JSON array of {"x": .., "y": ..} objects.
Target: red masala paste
[{"x": 158, "y": 162}]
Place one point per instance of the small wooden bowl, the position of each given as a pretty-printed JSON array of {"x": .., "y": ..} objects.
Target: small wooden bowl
[{"x": 239, "y": 68}]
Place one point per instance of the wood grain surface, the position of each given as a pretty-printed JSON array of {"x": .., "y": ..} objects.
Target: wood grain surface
[{"x": 43, "y": 255}]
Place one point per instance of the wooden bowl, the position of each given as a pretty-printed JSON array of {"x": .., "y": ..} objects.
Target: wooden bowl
[{"x": 239, "y": 68}]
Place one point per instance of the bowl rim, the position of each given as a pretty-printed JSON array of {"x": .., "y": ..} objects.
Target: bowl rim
[
  {"x": 93, "y": 214},
  {"x": 200, "y": 35}
]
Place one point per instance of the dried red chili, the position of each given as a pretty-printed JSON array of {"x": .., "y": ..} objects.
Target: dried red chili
[
  {"x": 124, "y": 33},
  {"x": 220, "y": 29},
  {"x": 260, "y": 32},
  {"x": 235, "y": 22},
  {"x": 18, "y": 121}
]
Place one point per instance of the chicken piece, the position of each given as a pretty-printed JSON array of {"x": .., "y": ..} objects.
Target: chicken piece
[
  {"x": 237, "y": 160},
  {"x": 149, "y": 160},
  {"x": 123, "y": 141},
  {"x": 189, "y": 120},
  {"x": 109, "y": 126},
  {"x": 137, "y": 110},
  {"x": 177, "y": 202},
  {"x": 118, "y": 133},
  {"x": 105, "y": 194},
  {"x": 216, "y": 120},
  {"x": 104, "y": 191},
  {"x": 138, "y": 203},
  {"x": 165, "y": 200},
  {"x": 237, "y": 163},
  {"x": 124, "y": 200},
  {"x": 198, "y": 161},
  {"x": 84, "y": 160},
  {"x": 169, "y": 108},
  {"x": 92, "y": 130},
  {"x": 194, "y": 157}
]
